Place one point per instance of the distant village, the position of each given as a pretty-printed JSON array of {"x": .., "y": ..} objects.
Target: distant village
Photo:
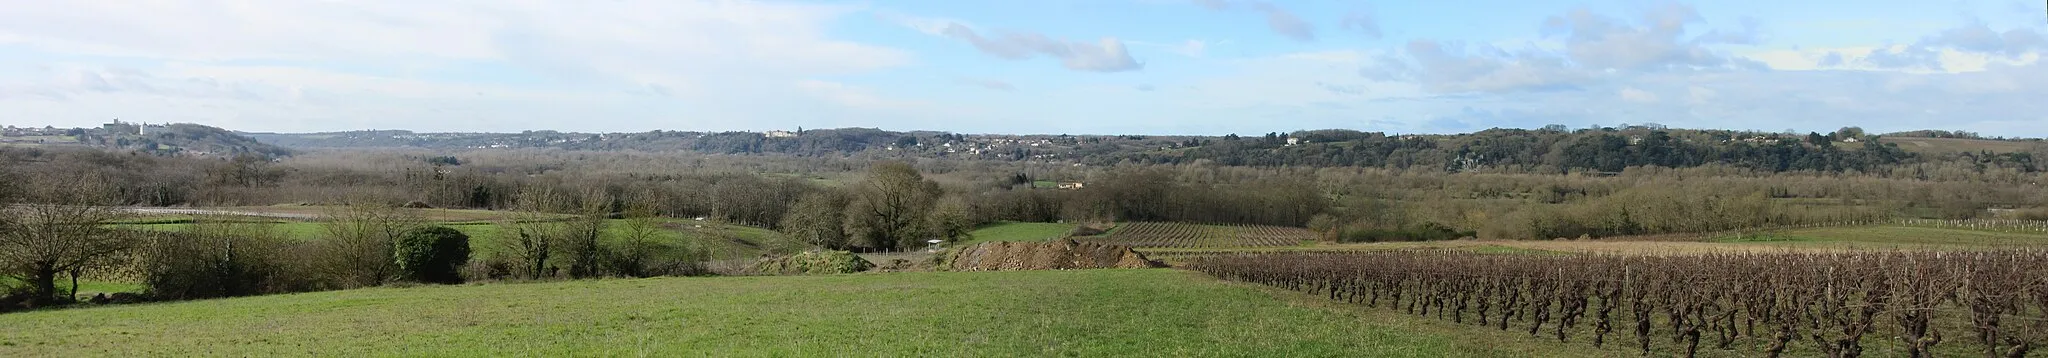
[
  {"x": 50, "y": 135},
  {"x": 153, "y": 138}
]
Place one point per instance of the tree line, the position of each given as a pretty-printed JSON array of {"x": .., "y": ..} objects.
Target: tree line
[{"x": 767, "y": 191}]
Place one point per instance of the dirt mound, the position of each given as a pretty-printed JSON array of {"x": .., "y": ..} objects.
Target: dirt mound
[
  {"x": 813, "y": 263},
  {"x": 1056, "y": 255}
]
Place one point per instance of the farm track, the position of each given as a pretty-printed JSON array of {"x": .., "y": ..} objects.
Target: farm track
[{"x": 183, "y": 211}]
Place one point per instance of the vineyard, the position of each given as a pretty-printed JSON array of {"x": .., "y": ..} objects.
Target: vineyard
[
  {"x": 1918, "y": 304},
  {"x": 1178, "y": 235}
]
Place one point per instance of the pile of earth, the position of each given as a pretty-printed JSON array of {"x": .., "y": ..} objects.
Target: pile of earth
[
  {"x": 1056, "y": 255},
  {"x": 813, "y": 263}
]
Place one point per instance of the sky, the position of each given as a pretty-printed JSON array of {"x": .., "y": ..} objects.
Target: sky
[{"x": 1027, "y": 67}]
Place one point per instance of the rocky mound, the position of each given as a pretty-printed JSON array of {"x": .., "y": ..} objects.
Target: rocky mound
[
  {"x": 1057, "y": 255},
  {"x": 813, "y": 263}
]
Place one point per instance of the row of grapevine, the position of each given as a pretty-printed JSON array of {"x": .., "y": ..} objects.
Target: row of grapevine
[
  {"x": 1181, "y": 235},
  {"x": 2000, "y": 225},
  {"x": 1918, "y": 304}
]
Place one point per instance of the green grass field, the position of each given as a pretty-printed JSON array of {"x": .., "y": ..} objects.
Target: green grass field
[
  {"x": 718, "y": 239},
  {"x": 292, "y": 229},
  {"x": 86, "y": 288},
  {"x": 1956, "y": 145},
  {"x": 1031, "y": 313},
  {"x": 1018, "y": 231},
  {"x": 1890, "y": 237}
]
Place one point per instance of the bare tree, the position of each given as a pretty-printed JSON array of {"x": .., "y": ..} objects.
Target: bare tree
[
  {"x": 60, "y": 230},
  {"x": 818, "y": 219},
  {"x": 890, "y": 207},
  {"x": 951, "y": 218},
  {"x": 639, "y": 242},
  {"x": 359, "y": 242},
  {"x": 586, "y": 234},
  {"x": 529, "y": 236}
]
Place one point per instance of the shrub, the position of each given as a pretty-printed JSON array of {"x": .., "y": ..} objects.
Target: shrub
[
  {"x": 433, "y": 254},
  {"x": 646, "y": 258},
  {"x": 215, "y": 259},
  {"x": 1087, "y": 230},
  {"x": 1424, "y": 232},
  {"x": 490, "y": 268}
]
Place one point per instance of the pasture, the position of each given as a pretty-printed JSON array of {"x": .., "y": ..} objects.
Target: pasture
[
  {"x": 718, "y": 240},
  {"x": 1061, "y": 313},
  {"x": 1018, "y": 231},
  {"x": 1031, "y": 313},
  {"x": 1889, "y": 237},
  {"x": 1958, "y": 145}
]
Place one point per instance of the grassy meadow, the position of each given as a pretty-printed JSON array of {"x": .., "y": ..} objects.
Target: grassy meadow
[
  {"x": 1156, "y": 312},
  {"x": 1889, "y": 237},
  {"x": 720, "y": 240},
  {"x": 1957, "y": 145},
  {"x": 1018, "y": 231},
  {"x": 1153, "y": 312}
]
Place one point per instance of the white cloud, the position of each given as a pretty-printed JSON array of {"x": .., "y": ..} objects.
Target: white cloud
[
  {"x": 623, "y": 41},
  {"x": 224, "y": 59},
  {"x": 1363, "y": 23},
  {"x": 1187, "y": 48},
  {"x": 854, "y": 96},
  {"x": 1285, "y": 23},
  {"x": 1632, "y": 94},
  {"x": 1860, "y": 58},
  {"x": 1278, "y": 19},
  {"x": 988, "y": 83},
  {"x": 1109, "y": 55},
  {"x": 1696, "y": 95}
]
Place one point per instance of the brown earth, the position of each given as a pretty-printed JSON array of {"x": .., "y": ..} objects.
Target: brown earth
[{"x": 1063, "y": 254}]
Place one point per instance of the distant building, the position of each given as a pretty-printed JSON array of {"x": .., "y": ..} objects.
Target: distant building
[
  {"x": 1072, "y": 185},
  {"x": 781, "y": 134},
  {"x": 1851, "y": 140},
  {"x": 122, "y": 128},
  {"x": 148, "y": 129}
]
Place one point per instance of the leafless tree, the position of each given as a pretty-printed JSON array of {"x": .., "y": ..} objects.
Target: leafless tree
[
  {"x": 358, "y": 243},
  {"x": 530, "y": 235},
  {"x": 585, "y": 235},
  {"x": 889, "y": 209},
  {"x": 61, "y": 229}
]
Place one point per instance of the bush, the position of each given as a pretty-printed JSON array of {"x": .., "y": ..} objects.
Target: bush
[
  {"x": 433, "y": 254},
  {"x": 652, "y": 259},
  {"x": 1087, "y": 230},
  {"x": 488, "y": 269},
  {"x": 1424, "y": 232},
  {"x": 213, "y": 260}
]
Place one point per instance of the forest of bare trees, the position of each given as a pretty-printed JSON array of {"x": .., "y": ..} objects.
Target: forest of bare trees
[
  {"x": 767, "y": 191},
  {"x": 563, "y": 205}
]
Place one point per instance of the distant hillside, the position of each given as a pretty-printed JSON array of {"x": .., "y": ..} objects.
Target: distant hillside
[
  {"x": 182, "y": 139},
  {"x": 1552, "y": 149}
]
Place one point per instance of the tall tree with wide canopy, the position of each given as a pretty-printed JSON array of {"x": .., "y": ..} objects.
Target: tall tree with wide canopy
[{"x": 889, "y": 210}]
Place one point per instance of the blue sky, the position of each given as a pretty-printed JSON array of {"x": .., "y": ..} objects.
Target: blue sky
[{"x": 1052, "y": 66}]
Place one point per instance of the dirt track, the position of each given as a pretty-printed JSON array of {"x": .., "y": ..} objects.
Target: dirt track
[
  {"x": 184, "y": 211},
  {"x": 1056, "y": 255}
]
